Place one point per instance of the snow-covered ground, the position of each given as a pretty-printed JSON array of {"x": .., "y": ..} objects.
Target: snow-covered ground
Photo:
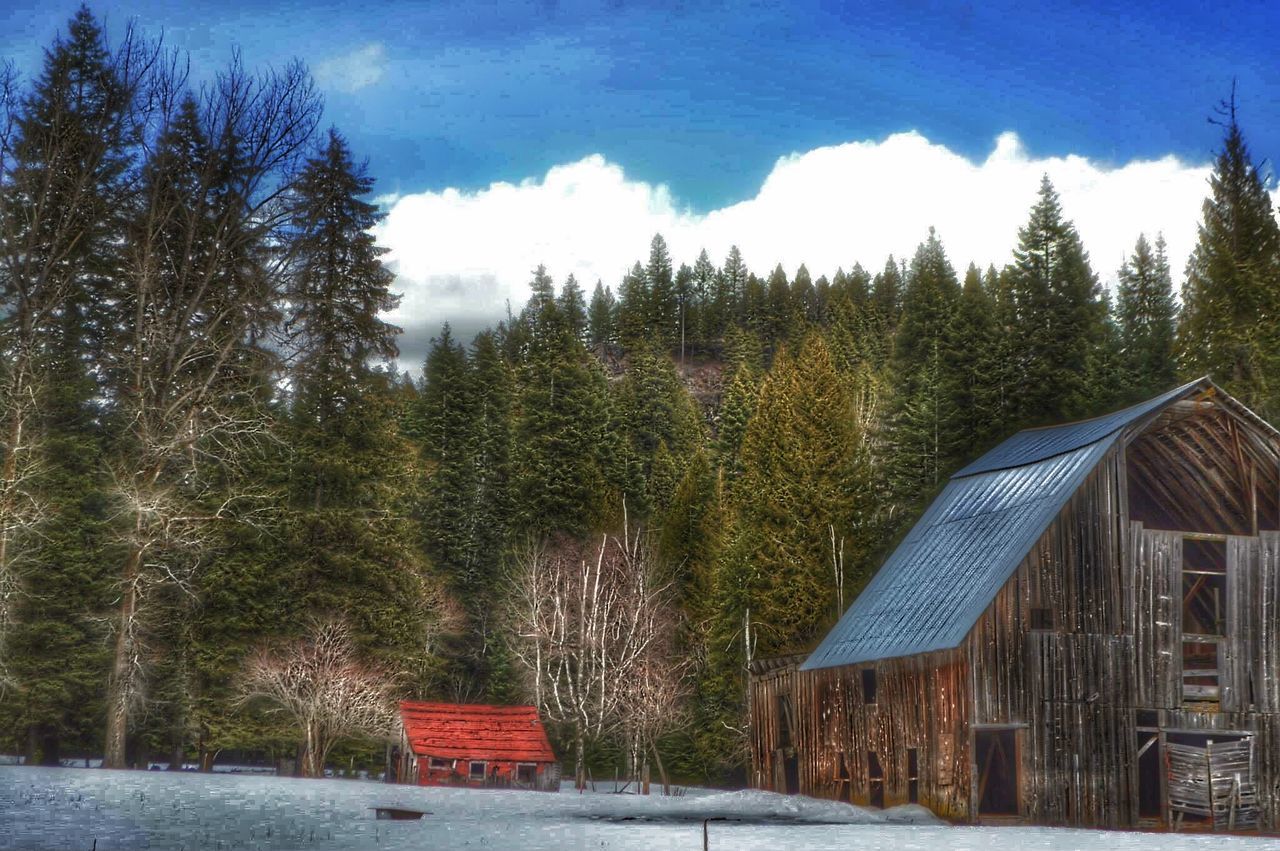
[{"x": 50, "y": 808}]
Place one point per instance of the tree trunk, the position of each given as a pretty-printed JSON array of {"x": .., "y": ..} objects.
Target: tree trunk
[
  {"x": 662, "y": 771},
  {"x": 119, "y": 684},
  {"x": 579, "y": 761}
]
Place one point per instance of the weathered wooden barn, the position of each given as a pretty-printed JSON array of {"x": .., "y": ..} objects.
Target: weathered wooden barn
[
  {"x": 468, "y": 744},
  {"x": 1082, "y": 629}
]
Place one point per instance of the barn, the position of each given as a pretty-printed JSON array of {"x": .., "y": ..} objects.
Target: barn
[
  {"x": 1082, "y": 629},
  {"x": 466, "y": 744}
]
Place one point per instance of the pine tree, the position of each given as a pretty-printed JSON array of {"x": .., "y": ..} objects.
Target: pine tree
[
  {"x": 1058, "y": 313},
  {"x": 1146, "y": 315},
  {"x": 656, "y": 411},
  {"x": 634, "y": 308},
  {"x": 64, "y": 192},
  {"x": 971, "y": 350},
  {"x": 1230, "y": 323},
  {"x": 573, "y": 307},
  {"x": 564, "y": 464},
  {"x": 663, "y": 319},
  {"x": 353, "y": 546},
  {"x": 705, "y": 314},
  {"x": 804, "y": 474},
  {"x": 886, "y": 292},
  {"x": 779, "y": 314},
  {"x": 602, "y": 317}
]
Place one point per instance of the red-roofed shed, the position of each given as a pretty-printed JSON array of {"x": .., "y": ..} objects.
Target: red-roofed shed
[{"x": 469, "y": 744}]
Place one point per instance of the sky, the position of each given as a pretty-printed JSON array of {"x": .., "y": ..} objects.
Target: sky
[{"x": 503, "y": 135}]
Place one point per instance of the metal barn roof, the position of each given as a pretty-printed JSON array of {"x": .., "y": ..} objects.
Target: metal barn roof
[{"x": 940, "y": 579}]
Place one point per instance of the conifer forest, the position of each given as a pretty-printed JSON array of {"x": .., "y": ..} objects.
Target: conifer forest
[{"x": 605, "y": 504}]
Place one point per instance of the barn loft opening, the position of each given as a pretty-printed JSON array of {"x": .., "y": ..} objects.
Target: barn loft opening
[{"x": 1199, "y": 467}]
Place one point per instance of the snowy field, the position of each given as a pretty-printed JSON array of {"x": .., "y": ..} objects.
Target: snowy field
[{"x": 50, "y": 808}]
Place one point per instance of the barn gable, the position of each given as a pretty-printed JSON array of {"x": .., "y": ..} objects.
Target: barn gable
[{"x": 950, "y": 567}]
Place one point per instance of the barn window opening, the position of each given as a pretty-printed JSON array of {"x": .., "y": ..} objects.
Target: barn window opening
[
  {"x": 1204, "y": 612},
  {"x": 526, "y": 773},
  {"x": 996, "y": 753},
  {"x": 875, "y": 780},
  {"x": 868, "y": 685},
  {"x": 438, "y": 764},
  {"x": 913, "y": 776},
  {"x": 476, "y": 771},
  {"x": 784, "y": 721},
  {"x": 1042, "y": 618}
]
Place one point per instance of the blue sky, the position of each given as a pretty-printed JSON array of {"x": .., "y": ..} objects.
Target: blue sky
[
  {"x": 704, "y": 96},
  {"x": 504, "y": 135}
]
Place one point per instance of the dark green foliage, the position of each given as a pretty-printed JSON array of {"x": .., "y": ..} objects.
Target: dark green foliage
[
  {"x": 663, "y": 321},
  {"x": 1146, "y": 316},
  {"x": 602, "y": 317},
  {"x": 1057, "y": 314},
  {"x": 573, "y": 307},
  {"x": 1230, "y": 324}
]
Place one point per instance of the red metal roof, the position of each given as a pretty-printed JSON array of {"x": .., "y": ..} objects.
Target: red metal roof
[{"x": 475, "y": 731}]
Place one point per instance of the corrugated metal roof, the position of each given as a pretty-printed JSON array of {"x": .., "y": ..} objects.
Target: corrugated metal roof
[
  {"x": 1036, "y": 444},
  {"x": 941, "y": 578},
  {"x": 475, "y": 731}
]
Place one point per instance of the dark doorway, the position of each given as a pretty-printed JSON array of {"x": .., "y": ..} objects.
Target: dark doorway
[
  {"x": 913, "y": 776},
  {"x": 875, "y": 779},
  {"x": 1150, "y": 800},
  {"x": 996, "y": 753}
]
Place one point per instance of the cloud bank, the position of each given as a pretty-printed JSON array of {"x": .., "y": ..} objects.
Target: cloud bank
[{"x": 462, "y": 256}]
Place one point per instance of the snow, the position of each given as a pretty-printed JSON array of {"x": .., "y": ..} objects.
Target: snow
[{"x": 51, "y": 808}]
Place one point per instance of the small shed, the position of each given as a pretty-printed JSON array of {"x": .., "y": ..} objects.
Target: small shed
[{"x": 469, "y": 744}]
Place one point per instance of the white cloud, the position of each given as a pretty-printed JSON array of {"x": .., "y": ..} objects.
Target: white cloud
[
  {"x": 353, "y": 71},
  {"x": 461, "y": 255}
]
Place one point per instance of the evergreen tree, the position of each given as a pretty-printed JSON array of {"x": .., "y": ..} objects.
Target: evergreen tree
[
  {"x": 1230, "y": 323},
  {"x": 353, "y": 548},
  {"x": 602, "y": 316},
  {"x": 971, "y": 346},
  {"x": 573, "y": 307},
  {"x": 804, "y": 474},
  {"x": 704, "y": 313},
  {"x": 779, "y": 315},
  {"x": 63, "y": 188},
  {"x": 633, "y": 308},
  {"x": 1146, "y": 316},
  {"x": 886, "y": 292},
  {"x": 564, "y": 466},
  {"x": 1058, "y": 314},
  {"x": 663, "y": 307}
]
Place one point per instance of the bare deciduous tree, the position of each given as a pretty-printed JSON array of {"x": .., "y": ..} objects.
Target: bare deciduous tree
[
  {"x": 587, "y": 625},
  {"x": 203, "y": 278},
  {"x": 330, "y": 694}
]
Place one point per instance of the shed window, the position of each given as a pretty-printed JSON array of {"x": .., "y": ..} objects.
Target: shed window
[
  {"x": 868, "y": 685},
  {"x": 476, "y": 771},
  {"x": 1042, "y": 619},
  {"x": 438, "y": 764},
  {"x": 526, "y": 772}
]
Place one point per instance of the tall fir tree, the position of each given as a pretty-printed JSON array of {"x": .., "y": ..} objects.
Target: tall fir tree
[
  {"x": 64, "y": 193},
  {"x": 1058, "y": 315},
  {"x": 602, "y": 317},
  {"x": 353, "y": 546},
  {"x": 1146, "y": 316},
  {"x": 663, "y": 318},
  {"x": 1230, "y": 323}
]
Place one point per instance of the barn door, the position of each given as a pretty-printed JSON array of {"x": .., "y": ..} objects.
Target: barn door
[
  {"x": 1213, "y": 783},
  {"x": 996, "y": 758}
]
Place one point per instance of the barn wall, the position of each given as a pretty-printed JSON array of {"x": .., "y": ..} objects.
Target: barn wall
[
  {"x": 921, "y": 703},
  {"x": 1066, "y": 686}
]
